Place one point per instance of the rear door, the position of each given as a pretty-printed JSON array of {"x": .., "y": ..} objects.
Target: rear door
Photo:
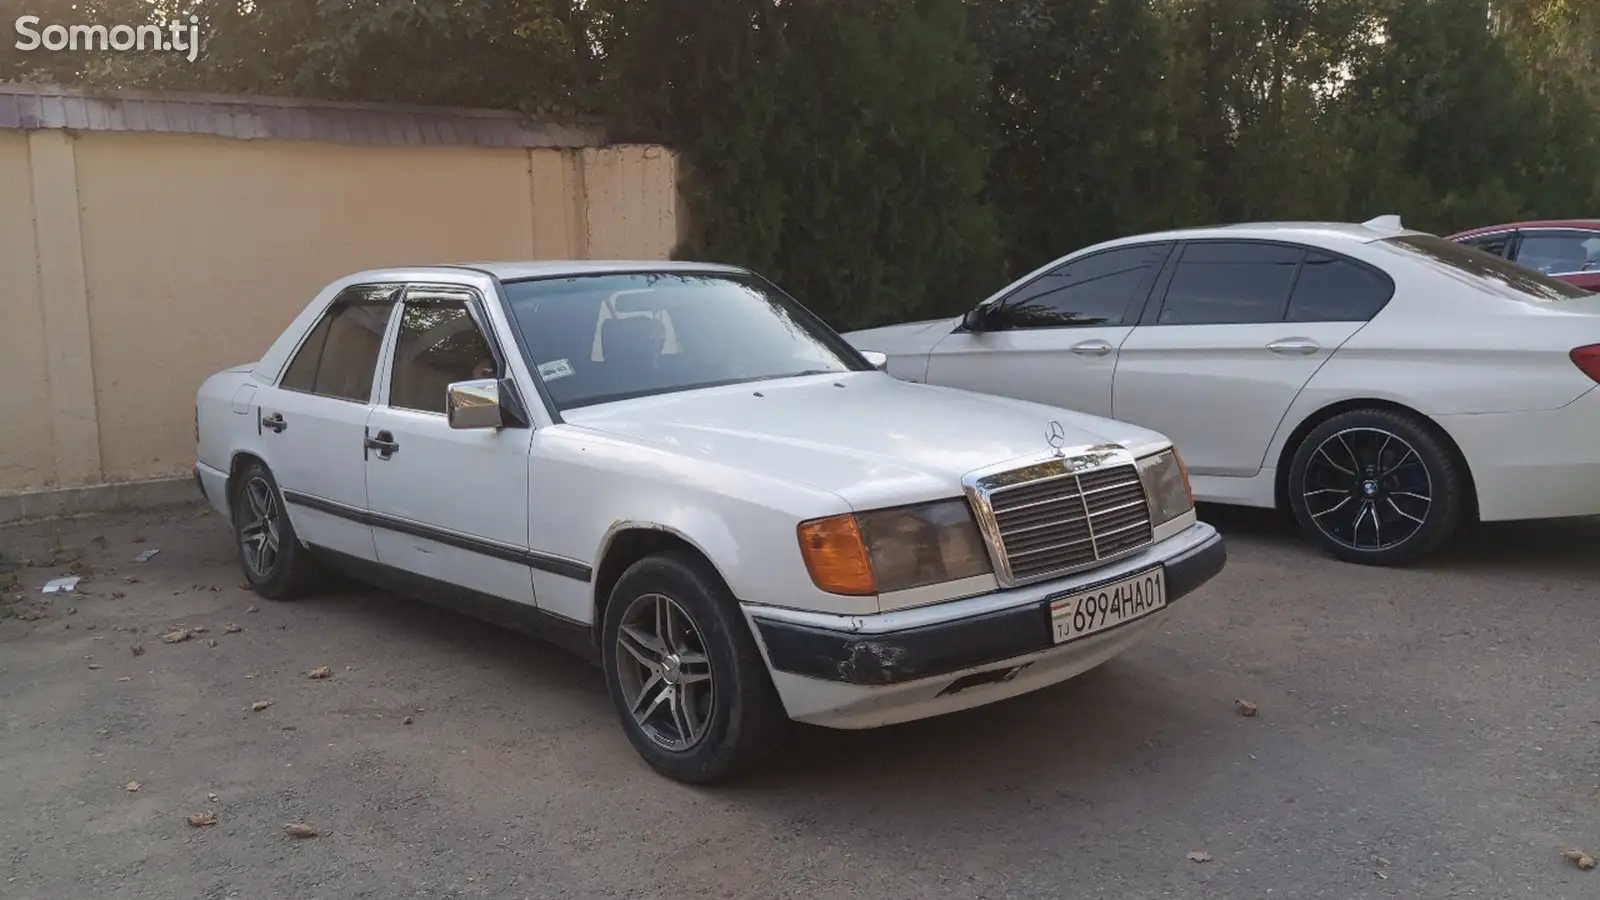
[
  {"x": 311, "y": 422},
  {"x": 1054, "y": 339},
  {"x": 1233, "y": 332},
  {"x": 449, "y": 505}
]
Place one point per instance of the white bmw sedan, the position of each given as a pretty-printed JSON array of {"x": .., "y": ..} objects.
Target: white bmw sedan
[
  {"x": 1384, "y": 384},
  {"x": 679, "y": 472}
]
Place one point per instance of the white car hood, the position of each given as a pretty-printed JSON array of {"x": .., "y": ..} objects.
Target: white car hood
[
  {"x": 910, "y": 339},
  {"x": 865, "y": 436}
]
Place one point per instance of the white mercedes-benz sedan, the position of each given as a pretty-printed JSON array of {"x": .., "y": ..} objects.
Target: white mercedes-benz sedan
[
  {"x": 679, "y": 472},
  {"x": 1384, "y": 384}
]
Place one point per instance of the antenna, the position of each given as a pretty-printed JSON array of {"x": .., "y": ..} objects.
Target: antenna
[{"x": 1384, "y": 223}]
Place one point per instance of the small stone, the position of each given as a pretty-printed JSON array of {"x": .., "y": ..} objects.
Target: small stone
[
  {"x": 319, "y": 673},
  {"x": 1245, "y": 707},
  {"x": 1199, "y": 856},
  {"x": 406, "y": 721},
  {"x": 138, "y": 649},
  {"x": 231, "y": 628},
  {"x": 133, "y": 787},
  {"x": 201, "y": 819},
  {"x": 95, "y": 666},
  {"x": 300, "y": 830},
  {"x": 211, "y": 642},
  {"x": 251, "y": 609},
  {"x": 259, "y": 705}
]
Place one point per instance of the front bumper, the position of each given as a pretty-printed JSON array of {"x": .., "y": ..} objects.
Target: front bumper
[{"x": 862, "y": 671}]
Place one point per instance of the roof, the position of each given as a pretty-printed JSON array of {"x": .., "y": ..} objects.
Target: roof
[
  {"x": 1586, "y": 224},
  {"x": 30, "y": 107},
  {"x": 514, "y": 270}
]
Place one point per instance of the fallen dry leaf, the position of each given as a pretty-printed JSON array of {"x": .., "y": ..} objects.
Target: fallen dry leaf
[
  {"x": 320, "y": 672},
  {"x": 138, "y": 649},
  {"x": 177, "y": 637},
  {"x": 1245, "y": 707},
  {"x": 406, "y": 721},
  {"x": 250, "y": 609},
  {"x": 130, "y": 579},
  {"x": 1199, "y": 856},
  {"x": 115, "y": 595},
  {"x": 133, "y": 787},
  {"x": 206, "y": 817},
  {"x": 231, "y": 628},
  {"x": 1579, "y": 858},
  {"x": 199, "y": 629},
  {"x": 126, "y": 678},
  {"x": 300, "y": 830},
  {"x": 259, "y": 705},
  {"x": 211, "y": 642}
]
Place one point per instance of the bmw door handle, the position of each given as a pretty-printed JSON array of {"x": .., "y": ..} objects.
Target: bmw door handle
[
  {"x": 1294, "y": 347},
  {"x": 1091, "y": 348},
  {"x": 383, "y": 444}
]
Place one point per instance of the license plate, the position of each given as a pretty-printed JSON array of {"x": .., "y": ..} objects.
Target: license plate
[{"x": 1079, "y": 615}]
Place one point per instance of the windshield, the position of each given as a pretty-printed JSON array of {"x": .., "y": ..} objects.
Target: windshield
[
  {"x": 598, "y": 338},
  {"x": 1495, "y": 272}
]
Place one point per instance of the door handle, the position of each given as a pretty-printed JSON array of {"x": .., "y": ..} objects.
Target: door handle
[
  {"x": 1295, "y": 346},
  {"x": 274, "y": 423},
  {"x": 1091, "y": 348},
  {"x": 384, "y": 444}
]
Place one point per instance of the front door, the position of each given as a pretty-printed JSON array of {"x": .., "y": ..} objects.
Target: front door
[
  {"x": 311, "y": 422},
  {"x": 1229, "y": 342},
  {"x": 449, "y": 505},
  {"x": 1055, "y": 339}
]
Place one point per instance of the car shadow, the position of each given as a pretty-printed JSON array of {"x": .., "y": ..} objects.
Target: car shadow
[{"x": 1554, "y": 545}]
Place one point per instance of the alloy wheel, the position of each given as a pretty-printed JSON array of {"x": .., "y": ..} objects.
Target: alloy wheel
[
  {"x": 665, "y": 673},
  {"x": 260, "y": 530},
  {"x": 1367, "y": 489}
]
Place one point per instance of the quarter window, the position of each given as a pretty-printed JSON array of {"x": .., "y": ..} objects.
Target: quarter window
[
  {"x": 1331, "y": 289},
  {"x": 1095, "y": 290},
  {"x": 1230, "y": 283},
  {"x": 439, "y": 344},
  {"x": 340, "y": 356},
  {"x": 1491, "y": 243}
]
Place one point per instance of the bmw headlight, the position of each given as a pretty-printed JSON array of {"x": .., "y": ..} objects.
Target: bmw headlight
[
  {"x": 1166, "y": 486},
  {"x": 894, "y": 549}
]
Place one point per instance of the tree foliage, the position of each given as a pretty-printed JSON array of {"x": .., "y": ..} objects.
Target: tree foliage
[{"x": 887, "y": 159}]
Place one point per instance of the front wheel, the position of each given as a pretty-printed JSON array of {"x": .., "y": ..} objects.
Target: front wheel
[
  {"x": 1377, "y": 487},
  {"x": 684, "y": 673}
]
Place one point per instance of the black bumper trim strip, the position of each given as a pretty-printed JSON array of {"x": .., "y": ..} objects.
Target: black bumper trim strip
[{"x": 900, "y": 656}]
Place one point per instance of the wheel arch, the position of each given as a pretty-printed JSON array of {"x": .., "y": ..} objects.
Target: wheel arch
[
  {"x": 236, "y": 466},
  {"x": 625, "y": 544},
  {"x": 1310, "y": 422}
]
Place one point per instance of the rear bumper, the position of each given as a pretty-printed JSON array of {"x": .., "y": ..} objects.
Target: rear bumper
[
  {"x": 865, "y": 671},
  {"x": 1533, "y": 465},
  {"x": 213, "y": 485}
]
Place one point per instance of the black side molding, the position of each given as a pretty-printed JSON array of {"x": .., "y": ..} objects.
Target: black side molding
[
  {"x": 899, "y": 656},
  {"x": 544, "y": 562}
]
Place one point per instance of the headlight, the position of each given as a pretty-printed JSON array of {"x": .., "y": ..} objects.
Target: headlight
[
  {"x": 1166, "y": 486},
  {"x": 894, "y": 549}
]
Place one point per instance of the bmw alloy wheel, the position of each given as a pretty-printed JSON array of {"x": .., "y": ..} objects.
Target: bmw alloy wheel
[{"x": 1367, "y": 489}]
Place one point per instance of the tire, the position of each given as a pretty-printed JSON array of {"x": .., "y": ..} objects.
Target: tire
[
  {"x": 1367, "y": 470},
  {"x": 291, "y": 572},
  {"x": 700, "y": 731}
]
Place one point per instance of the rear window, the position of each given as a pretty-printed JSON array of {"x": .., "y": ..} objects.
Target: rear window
[{"x": 1497, "y": 273}]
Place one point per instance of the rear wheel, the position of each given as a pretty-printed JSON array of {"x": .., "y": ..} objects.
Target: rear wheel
[
  {"x": 1378, "y": 487},
  {"x": 274, "y": 562},
  {"x": 684, "y": 673}
]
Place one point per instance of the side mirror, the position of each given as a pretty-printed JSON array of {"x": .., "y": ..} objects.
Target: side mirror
[
  {"x": 475, "y": 404},
  {"x": 976, "y": 319},
  {"x": 880, "y": 361}
]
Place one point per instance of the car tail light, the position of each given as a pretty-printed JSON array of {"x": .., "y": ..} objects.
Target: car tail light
[{"x": 1587, "y": 359}]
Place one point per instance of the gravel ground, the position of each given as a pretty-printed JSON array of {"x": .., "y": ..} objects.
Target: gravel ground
[{"x": 1422, "y": 733}]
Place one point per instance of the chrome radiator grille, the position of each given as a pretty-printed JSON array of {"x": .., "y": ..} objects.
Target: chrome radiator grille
[{"x": 1063, "y": 520}]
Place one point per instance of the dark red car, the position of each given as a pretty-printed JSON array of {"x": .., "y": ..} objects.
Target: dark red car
[{"x": 1568, "y": 249}]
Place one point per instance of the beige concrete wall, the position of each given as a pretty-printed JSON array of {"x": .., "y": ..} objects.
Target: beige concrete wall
[
  {"x": 26, "y": 459},
  {"x": 194, "y": 251}
]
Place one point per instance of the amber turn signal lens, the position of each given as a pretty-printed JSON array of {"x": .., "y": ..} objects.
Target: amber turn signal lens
[
  {"x": 1185, "y": 470},
  {"x": 836, "y": 556}
]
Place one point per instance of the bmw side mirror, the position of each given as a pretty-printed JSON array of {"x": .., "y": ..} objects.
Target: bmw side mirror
[
  {"x": 484, "y": 403},
  {"x": 880, "y": 361},
  {"x": 976, "y": 319}
]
